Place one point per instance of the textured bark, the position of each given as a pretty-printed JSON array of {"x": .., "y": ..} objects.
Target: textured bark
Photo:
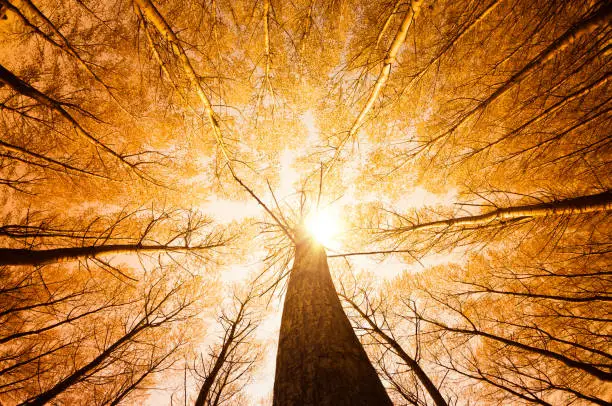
[{"x": 320, "y": 360}]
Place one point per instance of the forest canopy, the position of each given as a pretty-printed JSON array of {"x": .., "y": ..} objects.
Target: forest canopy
[{"x": 162, "y": 162}]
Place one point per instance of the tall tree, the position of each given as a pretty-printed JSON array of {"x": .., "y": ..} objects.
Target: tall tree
[{"x": 320, "y": 360}]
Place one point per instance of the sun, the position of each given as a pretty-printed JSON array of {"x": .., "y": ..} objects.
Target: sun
[{"x": 323, "y": 226}]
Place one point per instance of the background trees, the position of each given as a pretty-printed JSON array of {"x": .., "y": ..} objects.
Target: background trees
[{"x": 464, "y": 146}]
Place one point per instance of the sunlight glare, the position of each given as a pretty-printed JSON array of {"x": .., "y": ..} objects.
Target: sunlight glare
[{"x": 323, "y": 226}]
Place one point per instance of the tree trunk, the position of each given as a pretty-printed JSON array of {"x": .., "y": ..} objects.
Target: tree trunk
[
  {"x": 320, "y": 360},
  {"x": 576, "y": 205},
  {"x": 226, "y": 350},
  {"x": 23, "y": 256}
]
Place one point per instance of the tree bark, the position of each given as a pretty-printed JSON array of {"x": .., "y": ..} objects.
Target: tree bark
[
  {"x": 22, "y": 256},
  {"x": 320, "y": 360},
  {"x": 577, "y": 205}
]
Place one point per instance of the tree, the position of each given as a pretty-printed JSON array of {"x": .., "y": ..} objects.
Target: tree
[
  {"x": 162, "y": 149},
  {"x": 95, "y": 338},
  {"x": 232, "y": 360},
  {"x": 546, "y": 348},
  {"x": 369, "y": 316},
  {"x": 138, "y": 231},
  {"x": 320, "y": 361}
]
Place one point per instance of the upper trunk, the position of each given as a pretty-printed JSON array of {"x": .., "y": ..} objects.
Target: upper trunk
[
  {"x": 572, "y": 206},
  {"x": 320, "y": 360},
  {"x": 24, "y": 256}
]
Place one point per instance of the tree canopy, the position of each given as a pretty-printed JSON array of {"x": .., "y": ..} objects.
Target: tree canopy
[{"x": 158, "y": 156}]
